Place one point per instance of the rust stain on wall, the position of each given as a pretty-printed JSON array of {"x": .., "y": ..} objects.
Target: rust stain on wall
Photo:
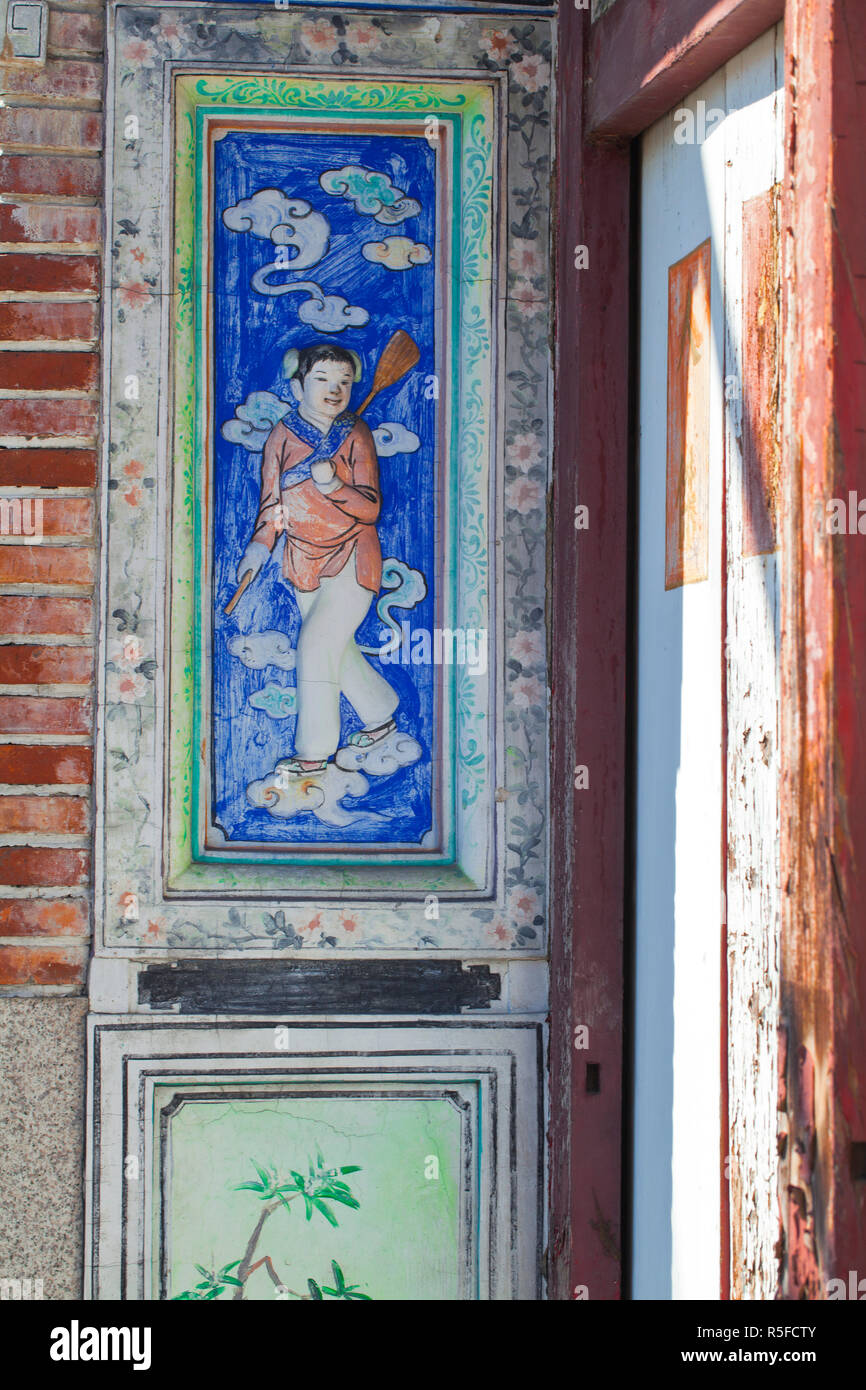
[
  {"x": 762, "y": 438},
  {"x": 688, "y": 416}
]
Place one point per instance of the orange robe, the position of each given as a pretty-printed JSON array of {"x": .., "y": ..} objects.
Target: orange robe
[{"x": 323, "y": 530}]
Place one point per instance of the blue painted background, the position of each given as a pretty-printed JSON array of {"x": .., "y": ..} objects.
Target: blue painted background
[{"x": 251, "y": 334}]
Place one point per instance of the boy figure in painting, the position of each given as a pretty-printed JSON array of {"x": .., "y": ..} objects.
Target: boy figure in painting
[{"x": 320, "y": 484}]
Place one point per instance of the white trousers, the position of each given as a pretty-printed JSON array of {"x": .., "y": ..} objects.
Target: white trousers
[{"x": 329, "y": 662}]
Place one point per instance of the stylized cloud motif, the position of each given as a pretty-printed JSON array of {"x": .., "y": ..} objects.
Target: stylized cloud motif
[
  {"x": 407, "y": 587},
  {"x": 278, "y": 701},
  {"x": 329, "y": 313},
  {"x": 393, "y": 438},
  {"x": 284, "y": 221},
  {"x": 260, "y": 649},
  {"x": 254, "y": 420},
  {"x": 397, "y": 252},
  {"x": 388, "y": 755},
  {"x": 372, "y": 193},
  {"x": 319, "y": 793}
]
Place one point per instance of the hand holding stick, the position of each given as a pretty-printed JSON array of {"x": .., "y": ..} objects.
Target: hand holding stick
[{"x": 239, "y": 592}]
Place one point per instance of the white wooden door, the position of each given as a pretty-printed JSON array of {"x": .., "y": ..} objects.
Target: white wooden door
[{"x": 706, "y": 889}]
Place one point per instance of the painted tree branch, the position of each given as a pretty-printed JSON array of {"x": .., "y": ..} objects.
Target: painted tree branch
[{"x": 244, "y": 1270}]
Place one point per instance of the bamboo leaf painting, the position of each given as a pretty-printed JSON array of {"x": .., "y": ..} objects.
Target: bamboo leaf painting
[{"x": 317, "y": 1190}]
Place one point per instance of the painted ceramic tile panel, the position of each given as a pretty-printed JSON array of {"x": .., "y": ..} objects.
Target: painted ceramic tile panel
[
  {"x": 408, "y": 1153},
  {"x": 302, "y": 1196},
  {"x": 372, "y": 189},
  {"x": 304, "y": 801},
  {"x": 348, "y": 502},
  {"x": 687, "y": 492}
]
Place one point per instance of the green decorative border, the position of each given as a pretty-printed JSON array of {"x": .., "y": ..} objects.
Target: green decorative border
[{"x": 468, "y": 108}]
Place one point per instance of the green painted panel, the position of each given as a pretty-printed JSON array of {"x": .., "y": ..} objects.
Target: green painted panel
[{"x": 395, "y": 1226}]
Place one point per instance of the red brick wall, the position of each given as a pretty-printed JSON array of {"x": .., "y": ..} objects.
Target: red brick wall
[{"x": 51, "y": 176}]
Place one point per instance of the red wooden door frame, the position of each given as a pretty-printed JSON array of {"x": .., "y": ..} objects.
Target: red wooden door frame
[
  {"x": 615, "y": 79},
  {"x": 824, "y": 649}
]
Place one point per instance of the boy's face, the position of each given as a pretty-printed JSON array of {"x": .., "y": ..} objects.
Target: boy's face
[{"x": 327, "y": 387}]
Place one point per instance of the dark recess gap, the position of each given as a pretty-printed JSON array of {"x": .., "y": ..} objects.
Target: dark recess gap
[{"x": 858, "y": 1161}]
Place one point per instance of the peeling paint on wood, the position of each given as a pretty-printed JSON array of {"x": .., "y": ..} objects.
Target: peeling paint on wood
[
  {"x": 754, "y": 154},
  {"x": 823, "y": 829},
  {"x": 761, "y": 442},
  {"x": 688, "y": 413}
]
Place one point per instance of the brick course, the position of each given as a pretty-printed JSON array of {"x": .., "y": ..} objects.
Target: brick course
[
  {"x": 20, "y": 917},
  {"x": 62, "y": 78},
  {"x": 63, "y": 516},
  {"x": 51, "y": 179},
  {"x": 74, "y": 33},
  {"x": 48, "y": 322},
  {"x": 25, "y": 765},
  {"x": 49, "y": 371},
  {"x": 49, "y": 223},
  {"x": 43, "y": 614},
  {"x": 48, "y": 274},
  {"x": 47, "y": 174},
  {"x": 38, "y": 714},
  {"x": 43, "y": 965},
  {"x": 53, "y": 815},
  {"x": 48, "y": 468},
  {"x": 26, "y": 665},
  {"x": 38, "y": 127},
  {"x": 33, "y": 564}
]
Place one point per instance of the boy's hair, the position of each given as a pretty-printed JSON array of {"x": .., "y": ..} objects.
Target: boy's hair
[{"x": 322, "y": 352}]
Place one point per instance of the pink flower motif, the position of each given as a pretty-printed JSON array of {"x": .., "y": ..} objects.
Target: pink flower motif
[
  {"x": 524, "y": 495},
  {"x": 499, "y": 45},
  {"x": 128, "y": 903},
  {"x": 528, "y": 647},
  {"x": 527, "y": 691},
  {"x": 140, "y": 52},
  {"x": 173, "y": 33},
  {"x": 524, "y": 905},
  {"x": 348, "y": 923},
  {"x": 524, "y": 452},
  {"x": 525, "y": 300},
  {"x": 532, "y": 73},
  {"x": 133, "y": 497},
  {"x": 133, "y": 469},
  {"x": 138, "y": 255},
  {"x": 526, "y": 259},
  {"x": 130, "y": 686},
  {"x": 135, "y": 294},
  {"x": 499, "y": 930},
  {"x": 313, "y": 924},
  {"x": 131, "y": 651},
  {"x": 362, "y": 37},
  {"x": 319, "y": 36}
]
